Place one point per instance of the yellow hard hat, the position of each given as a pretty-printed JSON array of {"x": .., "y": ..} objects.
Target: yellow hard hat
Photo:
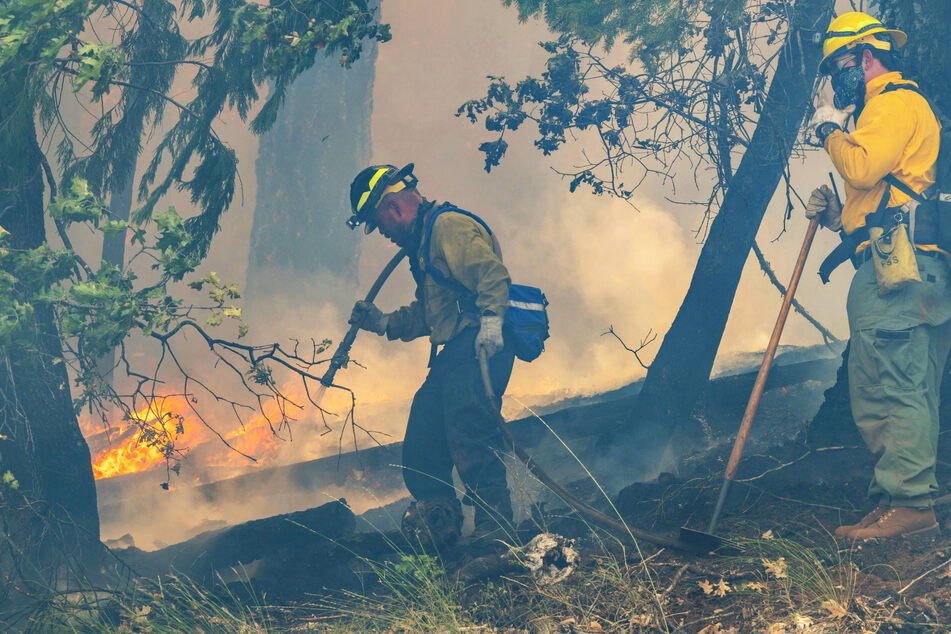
[{"x": 851, "y": 29}]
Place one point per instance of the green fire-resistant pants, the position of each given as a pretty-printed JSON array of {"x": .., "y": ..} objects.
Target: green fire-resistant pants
[{"x": 899, "y": 347}]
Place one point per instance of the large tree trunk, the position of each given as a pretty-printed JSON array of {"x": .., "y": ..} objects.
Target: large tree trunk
[
  {"x": 681, "y": 370},
  {"x": 52, "y": 515},
  {"x": 305, "y": 164}
]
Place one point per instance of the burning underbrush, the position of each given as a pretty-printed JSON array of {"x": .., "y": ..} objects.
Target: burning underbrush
[
  {"x": 176, "y": 467},
  {"x": 332, "y": 569},
  {"x": 171, "y": 431}
]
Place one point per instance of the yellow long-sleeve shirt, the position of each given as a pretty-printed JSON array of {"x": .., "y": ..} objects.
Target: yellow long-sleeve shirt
[
  {"x": 462, "y": 250},
  {"x": 897, "y": 133}
]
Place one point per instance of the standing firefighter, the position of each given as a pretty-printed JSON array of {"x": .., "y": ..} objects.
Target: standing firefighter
[
  {"x": 460, "y": 305},
  {"x": 898, "y": 304}
]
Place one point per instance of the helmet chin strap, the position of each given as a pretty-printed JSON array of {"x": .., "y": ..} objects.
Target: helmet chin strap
[{"x": 416, "y": 231}]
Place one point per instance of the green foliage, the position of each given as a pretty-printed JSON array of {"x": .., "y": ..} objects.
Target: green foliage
[
  {"x": 27, "y": 275},
  {"x": 249, "y": 44},
  {"x": 79, "y": 204},
  {"x": 260, "y": 374},
  {"x": 174, "y": 244},
  {"x": 418, "y": 596},
  {"x": 102, "y": 310},
  {"x": 10, "y": 480},
  {"x": 697, "y": 80},
  {"x": 653, "y": 29},
  {"x": 34, "y": 31},
  {"x": 173, "y": 606},
  {"x": 99, "y": 64},
  {"x": 802, "y": 572}
]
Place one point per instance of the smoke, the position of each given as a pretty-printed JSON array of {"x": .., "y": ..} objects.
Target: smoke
[
  {"x": 600, "y": 261},
  {"x": 155, "y": 518}
]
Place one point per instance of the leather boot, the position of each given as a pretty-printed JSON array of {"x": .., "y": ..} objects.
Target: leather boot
[
  {"x": 865, "y": 522},
  {"x": 899, "y": 521}
]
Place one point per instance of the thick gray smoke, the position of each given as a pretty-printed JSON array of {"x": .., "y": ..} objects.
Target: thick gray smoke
[{"x": 600, "y": 261}]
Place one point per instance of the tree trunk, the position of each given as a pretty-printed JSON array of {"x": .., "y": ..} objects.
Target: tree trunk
[
  {"x": 52, "y": 514},
  {"x": 304, "y": 167},
  {"x": 679, "y": 374},
  {"x": 113, "y": 252}
]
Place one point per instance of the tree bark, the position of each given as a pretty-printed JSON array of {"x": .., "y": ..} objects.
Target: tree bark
[
  {"x": 53, "y": 512},
  {"x": 113, "y": 251},
  {"x": 681, "y": 370}
]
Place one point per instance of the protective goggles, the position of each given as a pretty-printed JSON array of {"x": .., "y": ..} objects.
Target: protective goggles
[{"x": 843, "y": 61}]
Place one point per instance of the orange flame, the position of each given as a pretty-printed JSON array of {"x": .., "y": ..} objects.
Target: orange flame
[
  {"x": 158, "y": 427},
  {"x": 167, "y": 427}
]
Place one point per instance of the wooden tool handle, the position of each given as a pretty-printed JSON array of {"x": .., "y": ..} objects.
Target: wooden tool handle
[{"x": 760, "y": 383}]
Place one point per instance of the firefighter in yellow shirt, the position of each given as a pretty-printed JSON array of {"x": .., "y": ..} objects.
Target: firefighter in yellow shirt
[
  {"x": 450, "y": 423},
  {"x": 900, "y": 337}
]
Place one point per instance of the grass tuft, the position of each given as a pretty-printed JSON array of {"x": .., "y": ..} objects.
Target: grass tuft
[{"x": 176, "y": 605}]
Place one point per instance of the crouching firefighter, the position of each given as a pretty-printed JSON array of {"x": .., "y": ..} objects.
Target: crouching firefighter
[
  {"x": 462, "y": 293},
  {"x": 898, "y": 303}
]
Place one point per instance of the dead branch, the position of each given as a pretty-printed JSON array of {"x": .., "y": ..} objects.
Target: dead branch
[
  {"x": 767, "y": 269},
  {"x": 923, "y": 575},
  {"x": 645, "y": 341}
]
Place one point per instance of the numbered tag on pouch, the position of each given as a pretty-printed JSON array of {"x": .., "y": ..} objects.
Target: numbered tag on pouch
[{"x": 894, "y": 257}]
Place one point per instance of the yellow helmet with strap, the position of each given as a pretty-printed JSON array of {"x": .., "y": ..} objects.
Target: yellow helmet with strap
[{"x": 852, "y": 29}]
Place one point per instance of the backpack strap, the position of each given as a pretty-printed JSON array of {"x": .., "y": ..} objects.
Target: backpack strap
[
  {"x": 891, "y": 179},
  {"x": 427, "y": 235}
]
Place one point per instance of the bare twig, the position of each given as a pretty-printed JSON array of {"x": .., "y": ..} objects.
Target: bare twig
[
  {"x": 923, "y": 575},
  {"x": 646, "y": 341}
]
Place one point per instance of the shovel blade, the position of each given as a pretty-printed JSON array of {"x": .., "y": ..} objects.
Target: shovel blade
[{"x": 708, "y": 543}]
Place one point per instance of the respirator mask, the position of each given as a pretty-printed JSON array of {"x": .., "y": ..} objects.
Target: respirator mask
[{"x": 848, "y": 83}]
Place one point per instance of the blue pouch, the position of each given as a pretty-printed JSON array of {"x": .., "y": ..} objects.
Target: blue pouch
[{"x": 525, "y": 325}]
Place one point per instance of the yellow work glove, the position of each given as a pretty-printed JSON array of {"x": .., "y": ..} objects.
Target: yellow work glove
[
  {"x": 490, "y": 336},
  {"x": 824, "y": 204}
]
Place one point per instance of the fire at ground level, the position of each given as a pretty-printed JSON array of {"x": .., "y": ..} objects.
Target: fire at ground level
[
  {"x": 802, "y": 476},
  {"x": 134, "y": 509}
]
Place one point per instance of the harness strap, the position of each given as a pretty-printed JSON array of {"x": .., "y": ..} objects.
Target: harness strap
[
  {"x": 883, "y": 217},
  {"x": 466, "y": 303},
  {"x": 844, "y": 251}
]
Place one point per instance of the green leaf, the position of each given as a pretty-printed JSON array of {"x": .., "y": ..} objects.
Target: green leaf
[{"x": 112, "y": 228}]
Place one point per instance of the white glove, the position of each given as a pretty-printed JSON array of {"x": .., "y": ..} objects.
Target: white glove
[
  {"x": 369, "y": 317},
  {"x": 823, "y": 203},
  {"x": 826, "y": 120},
  {"x": 490, "y": 336}
]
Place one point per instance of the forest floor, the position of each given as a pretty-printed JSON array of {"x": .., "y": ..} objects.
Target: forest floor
[{"x": 785, "y": 572}]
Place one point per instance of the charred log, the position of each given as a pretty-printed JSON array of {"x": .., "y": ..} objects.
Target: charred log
[{"x": 278, "y": 553}]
